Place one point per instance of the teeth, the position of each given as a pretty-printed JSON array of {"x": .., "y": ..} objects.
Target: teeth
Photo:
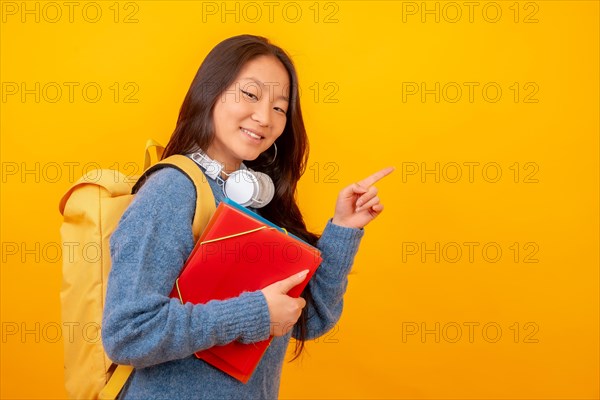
[{"x": 255, "y": 136}]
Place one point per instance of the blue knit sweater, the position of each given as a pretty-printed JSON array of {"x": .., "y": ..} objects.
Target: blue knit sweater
[{"x": 158, "y": 335}]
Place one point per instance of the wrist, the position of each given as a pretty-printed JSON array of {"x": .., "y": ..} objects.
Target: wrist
[{"x": 341, "y": 223}]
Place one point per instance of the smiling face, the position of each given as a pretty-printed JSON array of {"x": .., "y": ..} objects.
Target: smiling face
[{"x": 251, "y": 113}]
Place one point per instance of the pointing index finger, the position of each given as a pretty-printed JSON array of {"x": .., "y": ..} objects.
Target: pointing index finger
[{"x": 369, "y": 180}]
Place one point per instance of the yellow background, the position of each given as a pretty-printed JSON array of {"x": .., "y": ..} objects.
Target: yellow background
[{"x": 358, "y": 122}]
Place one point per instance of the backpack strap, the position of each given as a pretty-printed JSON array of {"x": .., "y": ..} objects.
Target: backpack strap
[
  {"x": 115, "y": 383},
  {"x": 154, "y": 152},
  {"x": 205, "y": 203}
]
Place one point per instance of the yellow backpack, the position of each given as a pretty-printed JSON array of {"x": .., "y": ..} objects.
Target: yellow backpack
[{"x": 92, "y": 208}]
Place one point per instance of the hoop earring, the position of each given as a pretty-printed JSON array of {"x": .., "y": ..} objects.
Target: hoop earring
[{"x": 275, "y": 156}]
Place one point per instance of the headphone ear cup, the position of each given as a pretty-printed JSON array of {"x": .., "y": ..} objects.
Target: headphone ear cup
[
  {"x": 242, "y": 186},
  {"x": 266, "y": 189}
]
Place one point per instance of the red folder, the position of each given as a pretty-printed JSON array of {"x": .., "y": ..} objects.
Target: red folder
[{"x": 240, "y": 251}]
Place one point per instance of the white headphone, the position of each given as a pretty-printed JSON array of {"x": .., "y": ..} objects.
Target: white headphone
[{"x": 246, "y": 187}]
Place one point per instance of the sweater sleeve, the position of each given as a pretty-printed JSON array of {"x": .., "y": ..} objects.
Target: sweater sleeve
[
  {"x": 142, "y": 325},
  {"x": 338, "y": 247}
]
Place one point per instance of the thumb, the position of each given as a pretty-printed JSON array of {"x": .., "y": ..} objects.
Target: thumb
[{"x": 287, "y": 284}]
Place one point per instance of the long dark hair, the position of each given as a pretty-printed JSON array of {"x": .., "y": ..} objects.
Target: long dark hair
[{"x": 195, "y": 129}]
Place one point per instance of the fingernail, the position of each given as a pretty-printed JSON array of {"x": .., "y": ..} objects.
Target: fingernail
[{"x": 303, "y": 273}]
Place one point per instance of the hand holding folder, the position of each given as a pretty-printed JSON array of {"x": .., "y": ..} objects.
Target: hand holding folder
[
  {"x": 284, "y": 311},
  {"x": 240, "y": 251}
]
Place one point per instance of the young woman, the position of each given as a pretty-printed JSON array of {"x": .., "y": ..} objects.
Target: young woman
[{"x": 243, "y": 111}]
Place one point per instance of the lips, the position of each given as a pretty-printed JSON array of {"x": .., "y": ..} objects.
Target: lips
[{"x": 252, "y": 134}]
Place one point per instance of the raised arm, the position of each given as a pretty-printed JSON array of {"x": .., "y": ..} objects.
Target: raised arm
[{"x": 356, "y": 206}]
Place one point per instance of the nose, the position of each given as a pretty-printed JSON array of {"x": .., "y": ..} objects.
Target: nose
[{"x": 262, "y": 114}]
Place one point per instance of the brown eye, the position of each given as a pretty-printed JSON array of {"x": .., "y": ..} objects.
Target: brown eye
[{"x": 250, "y": 95}]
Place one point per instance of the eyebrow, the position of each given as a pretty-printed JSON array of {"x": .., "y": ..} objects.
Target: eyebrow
[{"x": 262, "y": 85}]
